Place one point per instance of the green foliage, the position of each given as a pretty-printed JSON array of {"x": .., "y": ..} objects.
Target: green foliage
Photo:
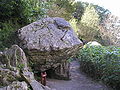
[
  {"x": 88, "y": 33},
  {"x": 6, "y": 9},
  {"x": 14, "y": 9},
  {"x": 61, "y": 8},
  {"x": 20, "y": 66},
  {"x": 89, "y": 25},
  {"x": 73, "y": 23},
  {"x": 90, "y": 17},
  {"x": 70, "y": 59},
  {"x": 17, "y": 13},
  {"x": 102, "y": 63},
  {"x": 79, "y": 9},
  {"x": 6, "y": 33},
  {"x": 38, "y": 8},
  {"x": 102, "y": 12},
  {"x": 68, "y": 4},
  {"x": 23, "y": 11}
]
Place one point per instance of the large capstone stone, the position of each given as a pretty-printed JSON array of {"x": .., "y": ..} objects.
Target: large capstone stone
[{"x": 48, "y": 42}]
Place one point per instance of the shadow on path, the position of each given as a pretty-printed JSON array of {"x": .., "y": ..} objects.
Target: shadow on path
[{"x": 78, "y": 81}]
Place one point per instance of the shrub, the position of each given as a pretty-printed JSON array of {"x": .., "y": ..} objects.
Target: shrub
[
  {"x": 7, "y": 34},
  {"x": 23, "y": 11},
  {"x": 14, "y": 9},
  {"x": 88, "y": 27},
  {"x": 102, "y": 63},
  {"x": 88, "y": 33},
  {"x": 61, "y": 8},
  {"x": 17, "y": 13}
]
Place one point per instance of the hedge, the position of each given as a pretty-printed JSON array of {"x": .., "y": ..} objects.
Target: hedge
[{"x": 102, "y": 63}]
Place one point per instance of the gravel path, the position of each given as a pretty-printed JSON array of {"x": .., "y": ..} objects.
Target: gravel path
[{"x": 78, "y": 81}]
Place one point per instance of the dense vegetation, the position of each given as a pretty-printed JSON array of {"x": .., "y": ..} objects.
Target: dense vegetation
[
  {"x": 17, "y": 13},
  {"x": 102, "y": 63},
  {"x": 99, "y": 61}
]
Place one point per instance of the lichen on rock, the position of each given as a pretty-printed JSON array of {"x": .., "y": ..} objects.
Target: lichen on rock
[
  {"x": 16, "y": 85},
  {"x": 48, "y": 42},
  {"x": 14, "y": 71}
]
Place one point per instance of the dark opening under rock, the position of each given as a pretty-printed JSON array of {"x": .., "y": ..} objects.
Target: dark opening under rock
[
  {"x": 61, "y": 72},
  {"x": 48, "y": 43}
]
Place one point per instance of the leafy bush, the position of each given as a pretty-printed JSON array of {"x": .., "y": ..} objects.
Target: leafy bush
[
  {"x": 79, "y": 9},
  {"x": 102, "y": 63},
  {"x": 88, "y": 33},
  {"x": 14, "y": 9},
  {"x": 23, "y": 11},
  {"x": 90, "y": 17},
  {"x": 89, "y": 23},
  {"x": 88, "y": 27},
  {"x": 7, "y": 34},
  {"x": 17, "y": 13},
  {"x": 61, "y": 8}
]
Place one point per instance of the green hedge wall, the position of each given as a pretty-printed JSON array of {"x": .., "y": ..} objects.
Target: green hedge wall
[{"x": 102, "y": 63}]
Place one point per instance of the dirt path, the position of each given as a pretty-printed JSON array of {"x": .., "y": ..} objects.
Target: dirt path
[{"x": 78, "y": 81}]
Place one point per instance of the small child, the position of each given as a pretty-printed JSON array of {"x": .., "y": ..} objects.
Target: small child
[{"x": 43, "y": 80}]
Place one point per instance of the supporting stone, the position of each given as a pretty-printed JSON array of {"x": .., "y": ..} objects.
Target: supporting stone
[
  {"x": 62, "y": 71},
  {"x": 14, "y": 69}
]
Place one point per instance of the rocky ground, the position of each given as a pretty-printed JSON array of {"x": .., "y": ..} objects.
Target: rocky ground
[{"x": 79, "y": 81}]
